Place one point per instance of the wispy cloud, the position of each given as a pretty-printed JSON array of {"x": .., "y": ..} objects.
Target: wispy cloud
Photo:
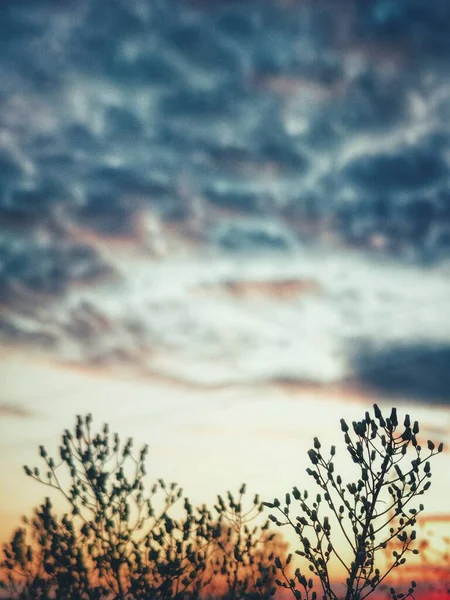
[{"x": 8, "y": 409}]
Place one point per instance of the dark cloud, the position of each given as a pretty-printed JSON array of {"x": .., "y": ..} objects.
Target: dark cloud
[
  {"x": 107, "y": 213},
  {"x": 187, "y": 103},
  {"x": 11, "y": 170},
  {"x": 103, "y": 113},
  {"x": 284, "y": 154},
  {"x": 80, "y": 138},
  {"x": 405, "y": 169},
  {"x": 31, "y": 267},
  {"x": 418, "y": 371},
  {"x": 371, "y": 101},
  {"x": 202, "y": 46},
  {"x": 37, "y": 199},
  {"x": 424, "y": 23},
  {"x": 122, "y": 123},
  {"x": 256, "y": 125}
]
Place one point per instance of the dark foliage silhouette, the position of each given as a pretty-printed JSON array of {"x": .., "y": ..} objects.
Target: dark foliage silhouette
[
  {"x": 243, "y": 562},
  {"x": 372, "y": 512},
  {"x": 124, "y": 539}
]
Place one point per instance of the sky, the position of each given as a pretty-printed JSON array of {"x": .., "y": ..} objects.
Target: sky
[{"x": 223, "y": 226}]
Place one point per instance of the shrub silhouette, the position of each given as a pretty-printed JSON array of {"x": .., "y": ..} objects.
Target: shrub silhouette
[
  {"x": 124, "y": 540},
  {"x": 371, "y": 513},
  {"x": 49, "y": 562},
  {"x": 243, "y": 563},
  {"x": 131, "y": 547}
]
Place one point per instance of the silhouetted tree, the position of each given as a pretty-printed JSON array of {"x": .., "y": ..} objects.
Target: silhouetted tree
[
  {"x": 369, "y": 513},
  {"x": 123, "y": 539},
  {"x": 123, "y": 536}
]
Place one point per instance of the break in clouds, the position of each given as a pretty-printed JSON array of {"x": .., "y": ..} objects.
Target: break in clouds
[{"x": 232, "y": 191}]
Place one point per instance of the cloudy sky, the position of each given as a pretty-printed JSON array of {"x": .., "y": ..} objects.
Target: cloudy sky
[{"x": 224, "y": 225}]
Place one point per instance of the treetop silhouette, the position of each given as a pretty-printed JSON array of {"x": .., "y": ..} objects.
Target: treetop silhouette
[{"x": 124, "y": 539}]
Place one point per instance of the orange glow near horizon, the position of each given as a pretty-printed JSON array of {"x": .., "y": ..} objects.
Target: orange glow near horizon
[{"x": 433, "y": 579}]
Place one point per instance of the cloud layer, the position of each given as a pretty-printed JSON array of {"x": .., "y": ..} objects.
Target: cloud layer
[{"x": 165, "y": 167}]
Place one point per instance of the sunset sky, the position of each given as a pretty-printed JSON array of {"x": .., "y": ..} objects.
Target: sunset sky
[{"x": 223, "y": 226}]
